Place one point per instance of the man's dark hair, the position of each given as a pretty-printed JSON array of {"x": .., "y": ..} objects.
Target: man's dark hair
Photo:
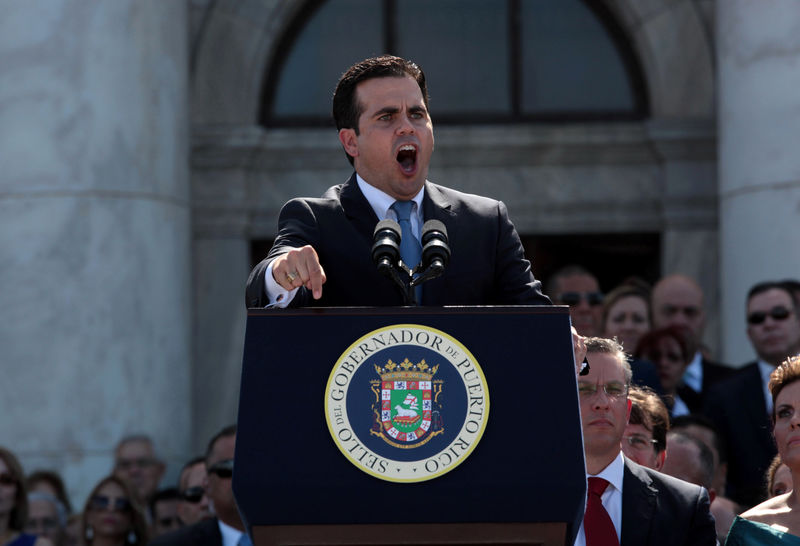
[
  {"x": 683, "y": 422},
  {"x": 705, "y": 460},
  {"x": 346, "y": 107},
  {"x": 190, "y": 463},
  {"x": 648, "y": 410},
  {"x": 230, "y": 430},
  {"x": 786, "y": 286},
  {"x": 170, "y": 493}
]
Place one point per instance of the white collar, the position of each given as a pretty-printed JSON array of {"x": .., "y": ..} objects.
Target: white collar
[
  {"x": 230, "y": 535},
  {"x": 613, "y": 473},
  {"x": 381, "y": 201}
]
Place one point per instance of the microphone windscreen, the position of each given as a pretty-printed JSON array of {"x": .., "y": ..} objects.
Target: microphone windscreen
[
  {"x": 430, "y": 229},
  {"x": 387, "y": 224}
]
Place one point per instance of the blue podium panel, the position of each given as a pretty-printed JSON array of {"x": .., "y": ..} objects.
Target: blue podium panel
[{"x": 525, "y": 465}]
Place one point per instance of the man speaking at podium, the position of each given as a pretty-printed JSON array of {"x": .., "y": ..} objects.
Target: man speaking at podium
[{"x": 322, "y": 253}]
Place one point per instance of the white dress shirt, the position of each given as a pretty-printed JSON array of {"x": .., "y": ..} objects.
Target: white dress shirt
[
  {"x": 693, "y": 374},
  {"x": 230, "y": 535},
  {"x": 766, "y": 370},
  {"x": 380, "y": 203},
  {"x": 612, "y": 496}
]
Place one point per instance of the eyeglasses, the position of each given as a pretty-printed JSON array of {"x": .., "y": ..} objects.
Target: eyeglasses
[
  {"x": 223, "y": 469},
  {"x": 574, "y": 298},
  {"x": 778, "y": 312},
  {"x": 613, "y": 390},
  {"x": 7, "y": 479},
  {"x": 117, "y": 504},
  {"x": 193, "y": 494},
  {"x": 640, "y": 443}
]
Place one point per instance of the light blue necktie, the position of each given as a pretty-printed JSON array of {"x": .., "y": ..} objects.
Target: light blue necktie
[
  {"x": 244, "y": 540},
  {"x": 410, "y": 249}
]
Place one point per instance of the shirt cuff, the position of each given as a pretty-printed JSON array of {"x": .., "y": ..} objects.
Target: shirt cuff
[{"x": 278, "y": 296}]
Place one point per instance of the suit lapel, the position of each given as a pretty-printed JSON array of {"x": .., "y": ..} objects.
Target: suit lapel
[
  {"x": 357, "y": 209},
  {"x": 639, "y": 497}
]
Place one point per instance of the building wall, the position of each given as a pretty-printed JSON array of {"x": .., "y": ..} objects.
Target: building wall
[{"x": 653, "y": 176}]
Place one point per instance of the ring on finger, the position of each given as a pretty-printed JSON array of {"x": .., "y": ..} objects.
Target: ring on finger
[{"x": 291, "y": 276}]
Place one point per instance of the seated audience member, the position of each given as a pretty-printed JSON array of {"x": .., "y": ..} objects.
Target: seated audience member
[
  {"x": 690, "y": 460},
  {"x": 626, "y": 317},
  {"x": 193, "y": 505},
  {"x": 14, "y": 504},
  {"x": 47, "y": 517},
  {"x": 677, "y": 300},
  {"x": 628, "y": 503},
  {"x": 626, "y": 314},
  {"x": 702, "y": 428},
  {"x": 778, "y": 478},
  {"x": 227, "y": 523},
  {"x": 164, "y": 509},
  {"x": 668, "y": 348},
  {"x": 112, "y": 515},
  {"x": 645, "y": 439},
  {"x": 49, "y": 481},
  {"x": 575, "y": 286},
  {"x": 135, "y": 461},
  {"x": 777, "y": 520},
  {"x": 740, "y": 406}
]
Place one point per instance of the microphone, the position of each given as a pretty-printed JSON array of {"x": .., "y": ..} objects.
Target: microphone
[
  {"x": 386, "y": 255},
  {"x": 435, "y": 251},
  {"x": 386, "y": 244}
]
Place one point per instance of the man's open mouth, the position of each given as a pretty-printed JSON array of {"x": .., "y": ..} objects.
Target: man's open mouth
[{"x": 407, "y": 158}]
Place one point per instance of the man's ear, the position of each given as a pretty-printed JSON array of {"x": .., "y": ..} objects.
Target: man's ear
[
  {"x": 628, "y": 413},
  {"x": 660, "y": 458},
  {"x": 349, "y": 141}
]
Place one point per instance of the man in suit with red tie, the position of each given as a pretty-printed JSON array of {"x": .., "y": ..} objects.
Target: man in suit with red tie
[{"x": 628, "y": 503}]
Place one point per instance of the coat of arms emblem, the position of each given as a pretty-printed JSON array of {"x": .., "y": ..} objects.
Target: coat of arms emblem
[{"x": 406, "y": 407}]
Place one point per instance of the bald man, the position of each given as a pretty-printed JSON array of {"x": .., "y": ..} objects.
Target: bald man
[{"x": 677, "y": 300}]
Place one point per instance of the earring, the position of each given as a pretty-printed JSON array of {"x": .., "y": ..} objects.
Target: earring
[
  {"x": 89, "y": 532},
  {"x": 132, "y": 537}
]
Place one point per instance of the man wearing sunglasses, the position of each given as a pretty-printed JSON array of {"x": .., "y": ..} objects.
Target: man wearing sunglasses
[
  {"x": 741, "y": 406},
  {"x": 575, "y": 286},
  {"x": 193, "y": 504},
  {"x": 226, "y": 529}
]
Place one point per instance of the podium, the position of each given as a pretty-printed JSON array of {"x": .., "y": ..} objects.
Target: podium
[{"x": 298, "y": 482}]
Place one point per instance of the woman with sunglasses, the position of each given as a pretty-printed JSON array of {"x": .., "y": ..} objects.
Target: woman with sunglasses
[
  {"x": 111, "y": 516},
  {"x": 777, "y": 520},
  {"x": 14, "y": 504}
]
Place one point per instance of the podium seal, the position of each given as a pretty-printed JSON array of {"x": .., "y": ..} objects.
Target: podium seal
[{"x": 406, "y": 403}]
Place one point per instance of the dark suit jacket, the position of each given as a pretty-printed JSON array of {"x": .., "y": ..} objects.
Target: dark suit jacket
[
  {"x": 739, "y": 410},
  {"x": 661, "y": 510},
  {"x": 487, "y": 264},
  {"x": 204, "y": 533},
  {"x": 714, "y": 372}
]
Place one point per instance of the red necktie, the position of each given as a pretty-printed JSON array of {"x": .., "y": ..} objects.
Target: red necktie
[{"x": 597, "y": 524}]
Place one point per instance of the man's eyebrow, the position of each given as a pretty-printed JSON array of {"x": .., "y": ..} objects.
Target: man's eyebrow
[{"x": 387, "y": 110}]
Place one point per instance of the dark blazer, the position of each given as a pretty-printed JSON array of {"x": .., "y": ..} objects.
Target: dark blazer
[
  {"x": 714, "y": 372},
  {"x": 487, "y": 265},
  {"x": 204, "y": 533},
  {"x": 738, "y": 409},
  {"x": 661, "y": 510}
]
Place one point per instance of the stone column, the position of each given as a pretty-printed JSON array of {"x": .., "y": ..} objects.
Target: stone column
[
  {"x": 758, "y": 53},
  {"x": 95, "y": 233}
]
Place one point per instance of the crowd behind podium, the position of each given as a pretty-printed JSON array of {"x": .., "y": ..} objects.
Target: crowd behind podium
[{"x": 691, "y": 417}]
